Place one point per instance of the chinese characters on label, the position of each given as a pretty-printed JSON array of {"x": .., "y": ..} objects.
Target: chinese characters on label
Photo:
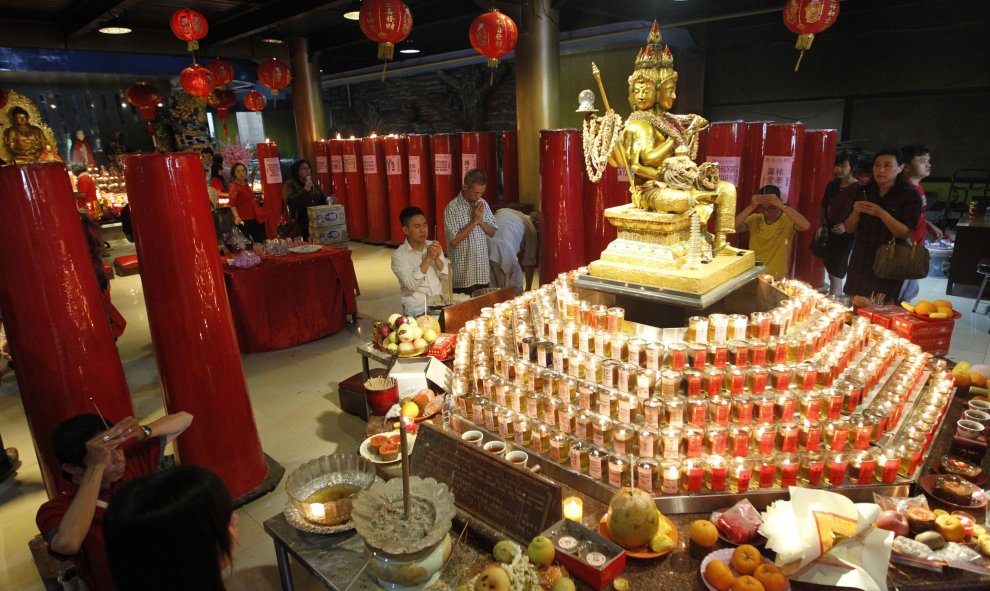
[
  {"x": 728, "y": 168},
  {"x": 414, "y": 171},
  {"x": 350, "y": 163},
  {"x": 442, "y": 164},
  {"x": 393, "y": 164},
  {"x": 370, "y": 164},
  {"x": 321, "y": 165},
  {"x": 336, "y": 164},
  {"x": 273, "y": 172},
  {"x": 469, "y": 161},
  {"x": 777, "y": 171}
]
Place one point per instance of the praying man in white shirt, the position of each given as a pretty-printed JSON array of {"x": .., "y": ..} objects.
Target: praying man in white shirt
[{"x": 418, "y": 263}]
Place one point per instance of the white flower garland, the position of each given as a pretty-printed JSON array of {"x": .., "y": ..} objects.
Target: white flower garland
[{"x": 599, "y": 138}]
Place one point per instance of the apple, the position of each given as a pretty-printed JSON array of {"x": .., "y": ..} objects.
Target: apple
[
  {"x": 430, "y": 336},
  {"x": 384, "y": 330},
  {"x": 411, "y": 321},
  {"x": 400, "y": 321},
  {"x": 891, "y": 520},
  {"x": 393, "y": 337},
  {"x": 420, "y": 344},
  {"x": 417, "y": 332},
  {"x": 406, "y": 333},
  {"x": 392, "y": 319},
  {"x": 541, "y": 551},
  {"x": 392, "y": 348}
]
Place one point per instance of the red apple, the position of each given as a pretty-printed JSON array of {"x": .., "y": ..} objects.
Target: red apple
[{"x": 891, "y": 520}]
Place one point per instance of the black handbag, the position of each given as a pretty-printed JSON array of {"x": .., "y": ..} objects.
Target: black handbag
[
  {"x": 901, "y": 261},
  {"x": 819, "y": 246}
]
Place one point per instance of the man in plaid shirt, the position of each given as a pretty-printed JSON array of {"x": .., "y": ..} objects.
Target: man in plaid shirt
[{"x": 467, "y": 220}]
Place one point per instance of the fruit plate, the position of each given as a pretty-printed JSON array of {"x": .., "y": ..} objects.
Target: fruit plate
[
  {"x": 375, "y": 458},
  {"x": 725, "y": 555},
  {"x": 955, "y": 316},
  {"x": 432, "y": 408},
  {"x": 928, "y": 485},
  {"x": 979, "y": 480},
  {"x": 421, "y": 352},
  {"x": 305, "y": 248},
  {"x": 642, "y": 551}
]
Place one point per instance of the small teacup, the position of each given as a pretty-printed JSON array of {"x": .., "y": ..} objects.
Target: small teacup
[
  {"x": 980, "y": 405},
  {"x": 968, "y": 429},
  {"x": 517, "y": 457},
  {"x": 977, "y": 416},
  {"x": 473, "y": 437},
  {"x": 498, "y": 447}
]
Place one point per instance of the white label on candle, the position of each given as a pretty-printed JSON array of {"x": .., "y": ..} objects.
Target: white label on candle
[
  {"x": 336, "y": 164},
  {"x": 443, "y": 164},
  {"x": 393, "y": 164},
  {"x": 414, "y": 171},
  {"x": 350, "y": 163},
  {"x": 728, "y": 167},
  {"x": 370, "y": 164},
  {"x": 321, "y": 165},
  {"x": 469, "y": 161},
  {"x": 273, "y": 172},
  {"x": 777, "y": 171}
]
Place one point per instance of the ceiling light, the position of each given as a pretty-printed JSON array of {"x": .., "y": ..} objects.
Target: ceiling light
[
  {"x": 272, "y": 40},
  {"x": 409, "y": 50},
  {"x": 352, "y": 15},
  {"x": 117, "y": 30}
]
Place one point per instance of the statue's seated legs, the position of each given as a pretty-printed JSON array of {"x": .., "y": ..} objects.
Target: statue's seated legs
[{"x": 664, "y": 199}]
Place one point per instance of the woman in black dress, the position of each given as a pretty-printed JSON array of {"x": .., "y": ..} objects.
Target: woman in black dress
[
  {"x": 836, "y": 207},
  {"x": 887, "y": 207},
  {"x": 301, "y": 192}
]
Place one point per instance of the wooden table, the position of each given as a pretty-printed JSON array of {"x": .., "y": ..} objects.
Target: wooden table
[{"x": 972, "y": 244}]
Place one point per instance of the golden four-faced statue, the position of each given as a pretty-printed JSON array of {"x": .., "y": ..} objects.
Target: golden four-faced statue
[{"x": 662, "y": 235}]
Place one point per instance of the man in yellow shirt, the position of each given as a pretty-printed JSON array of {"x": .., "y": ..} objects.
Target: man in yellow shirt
[{"x": 771, "y": 224}]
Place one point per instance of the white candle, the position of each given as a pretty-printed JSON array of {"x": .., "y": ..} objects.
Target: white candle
[{"x": 574, "y": 509}]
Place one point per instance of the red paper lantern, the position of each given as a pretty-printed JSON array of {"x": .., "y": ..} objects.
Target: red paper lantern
[
  {"x": 190, "y": 26},
  {"x": 275, "y": 74},
  {"x": 222, "y": 72},
  {"x": 196, "y": 81},
  {"x": 493, "y": 35},
  {"x": 386, "y": 22},
  {"x": 807, "y": 17},
  {"x": 222, "y": 100},
  {"x": 146, "y": 98},
  {"x": 255, "y": 101}
]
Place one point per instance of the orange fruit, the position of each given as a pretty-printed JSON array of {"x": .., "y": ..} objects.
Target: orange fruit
[
  {"x": 978, "y": 380},
  {"x": 963, "y": 380},
  {"x": 745, "y": 559},
  {"x": 747, "y": 583},
  {"x": 924, "y": 308},
  {"x": 770, "y": 577},
  {"x": 943, "y": 304},
  {"x": 703, "y": 532},
  {"x": 718, "y": 575}
]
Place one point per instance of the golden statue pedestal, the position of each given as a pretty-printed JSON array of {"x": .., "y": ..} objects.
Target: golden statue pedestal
[{"x": 652, "y": 249}]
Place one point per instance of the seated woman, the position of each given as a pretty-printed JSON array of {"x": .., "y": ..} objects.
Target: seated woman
[
  {"x": 299, "y": 193},
  {"x": 171, "y": 530}
]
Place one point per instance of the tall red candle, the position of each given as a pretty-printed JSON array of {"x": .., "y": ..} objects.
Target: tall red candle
[
  {"x": 561, "y": 195},
  {"x": 336, "y": 150},
  {"x": 816, "y": 172},
  {"x": 356, "y": 206},
  {"x": 420, "y": 165},
  {"x": 397, "y": 177},
  {"x": 375, "y": 188},
  {"x": 189, "y": 317},
  {"x": 322, "y": 166},
  {"x": 447, "y": 175},
  {"x": 782, "y": 160},
  {"x": 725, "y": 143},
  {"x": 53, "y": 311},
  {"x": 611, "y": 190},
  {"x": 478, "y": 151},
  {"x": 271, "y": 186},
  {"x": 752, "y": 163},
  {"x": 510, "y": 167}
]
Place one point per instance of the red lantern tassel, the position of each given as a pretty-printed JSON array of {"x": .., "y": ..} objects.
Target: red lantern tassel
[
  {"x": 192, "y": 46},
  {"x": 803, "y": 43},
  {"x": 386, "y": 50}
]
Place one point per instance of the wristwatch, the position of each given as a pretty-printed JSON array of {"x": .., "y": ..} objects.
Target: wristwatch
[{"x": 147, "y": 431}]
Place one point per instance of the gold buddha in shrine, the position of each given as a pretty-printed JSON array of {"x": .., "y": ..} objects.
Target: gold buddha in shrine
[{"x": 662, "y": 234}]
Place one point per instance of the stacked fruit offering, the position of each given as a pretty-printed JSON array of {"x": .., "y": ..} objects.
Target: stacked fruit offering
[{"x": 406, "y": 336}]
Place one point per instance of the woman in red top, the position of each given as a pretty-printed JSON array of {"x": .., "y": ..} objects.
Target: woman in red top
[
  {"x": 836, "y": 207},
  {"x": 245, "y": 207}
]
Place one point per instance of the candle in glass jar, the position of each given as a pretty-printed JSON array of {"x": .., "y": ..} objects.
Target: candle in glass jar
[
  {"x": 673, "y": 410},
  {"x": 767, "y": 471},
  {"x": 645, "y": 381},
  {"x": 758, "y": 352},
  {"x": 697, "y": 411},
  {"x": 716, "y": 473},
  {"x": 812, "y": 467},
  {"x": 560, "y": 448},
  {"x": 787, "y": 475},
  {"x": 670, "y": 442},
  {"x": 756, "y": 380},
  {"x": 619, "y": 471},
  {"x": 677, "y": 356},
  {"x": 718, "y": 327},
  {"x": 602, "y": 432},
  {"x": 711, "y": 384},
  {"x": 618, "y": 347},
  {"x": 835, "y": 468},
  {"x": 614, "y": 318},
  {"x": 864, "y": 465},
  {"x": 763, "y": 408},
  {"x": 648, "y": 475},
  {"x": 573, "y": 509},
  {"x": 670, "y": 383},
  {"x": 566, "y": 417},
  {"x": 670, "y": 473},
  {"x": 691, "y": 379},
  {"x": 719, "y": 410},
  {"x": 739, "y": 353},
  {"x": 784, "y": 407},
  {"x": 716, "y": 440},
  {"x": 610, "y": 373},
  {"x": 692, "y": 475},
  {"x": 735, "y": 381},
  {"x": 523, "y": 432},
  {"x": 692, "y": 441},
  {"x": 740, "y": 474},
  {"x": 697, "y": 355},
  {"x": 787, "y": 437},
  {"x": 653, "y": 413},
  {"x": 646, "y": 442},
  {"x": 608, "y": 403},
  {"x": 579, "y": 455},
  {"x": 742, "y": 408},
  {"x": 654, "y": 356},
  {"x": 888, "y": 465},
  {"x": 697, "y": 329},
  {"x": 718, "y": 354},
  {"x": 622, "y": 439},
  {"x": 541, "y": 439}
]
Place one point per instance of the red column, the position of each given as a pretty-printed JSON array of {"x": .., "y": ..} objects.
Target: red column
[
  {"x": 420, "y": 176},
  {"x": 189, "y": 317},
  {"x": 816, "y": 172},
  {"x": 782, "y": 165},
  {"x": 357, "y": 210},
  {"x": 397, "y": 177},
  {"x": 752, "y": 163},
  {"x": 271, "y": 186},
  {"x": 52, "y": 308},
  {"x": 611, "y": 191},
  {"x": 336, "y": 151},
  {"x": 322, "y": 166},
  {"x": 375, "y": 190},
  {"x": 725, "y": 143},
  {"x": 510, "y": 168},
  {"x": 561, "y": 195},
  {"x": 478, "y": 151},
  {"x": 447, "y": 175}
]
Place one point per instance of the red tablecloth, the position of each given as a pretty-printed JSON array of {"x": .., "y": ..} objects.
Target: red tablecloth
[{"x": 292, "y": 299}]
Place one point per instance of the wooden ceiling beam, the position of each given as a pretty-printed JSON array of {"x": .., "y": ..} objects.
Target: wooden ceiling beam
[{"x": 265, "y": 18}]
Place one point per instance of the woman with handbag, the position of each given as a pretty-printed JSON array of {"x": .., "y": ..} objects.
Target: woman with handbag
[
  {"x": 884, "y": 210},
  {"x": 837, "y": 203}
]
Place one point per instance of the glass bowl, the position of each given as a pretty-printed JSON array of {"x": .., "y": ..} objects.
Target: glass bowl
[{"x": 322, "y": 489}]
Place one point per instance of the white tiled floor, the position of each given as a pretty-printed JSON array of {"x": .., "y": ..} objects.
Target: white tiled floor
[{"x": 295, "y": 406}]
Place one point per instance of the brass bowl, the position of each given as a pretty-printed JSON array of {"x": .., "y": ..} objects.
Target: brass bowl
[{"x": 322, "y": 489}]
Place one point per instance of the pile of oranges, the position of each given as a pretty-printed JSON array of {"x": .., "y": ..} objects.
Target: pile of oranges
[
  {"x": 754, "y": 574},
  {"x": 937, "y": 309}
]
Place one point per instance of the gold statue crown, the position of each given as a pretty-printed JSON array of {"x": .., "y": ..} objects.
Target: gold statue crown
[{"x": 656, "y": 56}]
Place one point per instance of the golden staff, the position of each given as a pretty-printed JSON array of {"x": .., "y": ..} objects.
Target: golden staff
[{"x": 622, "y": 154}]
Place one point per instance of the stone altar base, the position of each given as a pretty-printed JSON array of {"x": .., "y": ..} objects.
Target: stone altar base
[{"x": 651, "y": 249}]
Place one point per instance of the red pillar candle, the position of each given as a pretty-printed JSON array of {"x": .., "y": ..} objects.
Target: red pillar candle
[
  {"x": 356, "y": 207},
  {"x": 752, "y": 163},
  {"x": 478, "y": 151},
  {"x": 420, "y": 176},
  {"x": 375, "y": 188},
  {"x": 447, "y": 175},
  {"x": 610, "y": 191},
  {"x": 782, "y": 160},
  {"x": 271, "y": 186},
  {"x": 816, "y": 172},
  {"x": 53, "y": 310},
  {"x": 336, "y": 150},
  {"x": 189, "y": 317},
  {"x": 510, "y": 168},
  {"x": 561, "y": 195},
  {"x": 322, "y": 166},
  {"x": 397, "y": 177},
  {"x": 725, "y": 143}
]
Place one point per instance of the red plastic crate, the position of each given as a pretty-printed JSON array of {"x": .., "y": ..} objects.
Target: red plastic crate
[{"x": 914, "y": 328}]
